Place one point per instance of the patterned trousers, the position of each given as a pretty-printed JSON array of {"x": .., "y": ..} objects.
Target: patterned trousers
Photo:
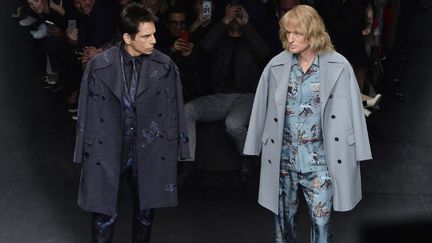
[{"x": 318, "y": 192}]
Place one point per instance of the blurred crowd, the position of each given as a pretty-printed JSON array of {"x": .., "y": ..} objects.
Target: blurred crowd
[{"x": 219, "y": 46}]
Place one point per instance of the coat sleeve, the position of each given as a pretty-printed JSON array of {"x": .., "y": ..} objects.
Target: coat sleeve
[
  {"x": 361, "y": 137},
  {"x": 82, "y": 114},
  {"x": 257, "y": 120},
  {"x": 183, "y": 140}
]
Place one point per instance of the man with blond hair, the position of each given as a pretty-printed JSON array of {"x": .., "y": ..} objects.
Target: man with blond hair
[{"x": 307, "y": 120}]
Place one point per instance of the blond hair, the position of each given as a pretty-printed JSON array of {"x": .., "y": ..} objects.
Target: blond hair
[{"x": 311, "y": 24}]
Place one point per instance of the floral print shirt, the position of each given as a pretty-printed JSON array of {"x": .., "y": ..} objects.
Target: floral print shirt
[{"x": 302, "y": 142}]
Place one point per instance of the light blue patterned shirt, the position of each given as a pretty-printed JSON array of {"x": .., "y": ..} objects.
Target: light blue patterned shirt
[{"x": 302, "y": 144}]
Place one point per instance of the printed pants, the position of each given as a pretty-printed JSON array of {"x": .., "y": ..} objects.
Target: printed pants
[{"x": 318, "y": 192}]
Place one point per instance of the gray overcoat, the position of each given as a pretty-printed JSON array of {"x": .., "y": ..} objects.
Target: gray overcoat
[
  {"x": 345, "y": 134},
  {"x": 161, "y": 136}
]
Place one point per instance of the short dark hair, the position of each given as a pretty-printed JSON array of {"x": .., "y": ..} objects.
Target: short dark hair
[
  {"x": 132, "y": 15},
  {"x": 176, "y": 8}
]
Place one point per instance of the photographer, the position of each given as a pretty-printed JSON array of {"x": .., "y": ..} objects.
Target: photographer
[{"x": 236, "y": 53}]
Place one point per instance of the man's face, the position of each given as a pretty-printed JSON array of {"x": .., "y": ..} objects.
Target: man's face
[
  {"x": 176, "y": 23},
  {"x": 285, "y": 6},
  {"x": 84, "y": 6},
  {"x": 144, "y": 40},
  {"x": 37, "y": 5},
  {"x": 297, "y": 43}
]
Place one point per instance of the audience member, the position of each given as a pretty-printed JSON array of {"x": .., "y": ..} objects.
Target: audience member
[
  {"x": 237, "y": 52},
  {"x": 182, "y": 50}
]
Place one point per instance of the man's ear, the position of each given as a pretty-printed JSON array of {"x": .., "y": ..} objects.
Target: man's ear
[{"x": 127, "y": 38}]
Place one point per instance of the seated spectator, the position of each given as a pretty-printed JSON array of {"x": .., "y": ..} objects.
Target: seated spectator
[
  {"x": 95, "y": 32},
  {"x": 237, "y": 53},
  {"x": 53, "y": 38},
  {"x": 181, "y": 50}
]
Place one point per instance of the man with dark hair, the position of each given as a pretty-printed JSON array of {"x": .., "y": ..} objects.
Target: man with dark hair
[{"x": 130, "y": 128}]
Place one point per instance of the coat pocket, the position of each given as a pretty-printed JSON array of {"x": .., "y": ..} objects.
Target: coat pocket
[
  {"x": 350, "y": 139},
  {"x": 264, "y": 138}
]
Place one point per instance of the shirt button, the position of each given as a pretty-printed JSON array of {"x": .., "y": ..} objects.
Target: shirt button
[
  {"x": 336, "y": 139},
  {"x": 275, "y": 119},
  {"x": 339, "y": 161},
  {"x": 269, "y": 161},
  {"x": 331, "y": 96},
  {"x": 272, "y": 140},
  {"x": 333, "y": 116}
]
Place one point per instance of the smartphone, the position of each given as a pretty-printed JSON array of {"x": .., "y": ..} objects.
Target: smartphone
[
  {"x": 184, "y": 35},
  {"x": 207, "y": 8},
  {"x": 72, "y": 24}
]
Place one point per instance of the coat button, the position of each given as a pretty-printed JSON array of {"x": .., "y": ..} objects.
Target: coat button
[
  {"x": 86, "y": 154},
  {"x": 102, "y": 120},
  {"x": 339, "y": 161},
  {"x": 275, "y": 119},
  {"x": 269, "y": 161},
  {"x": 331, "y": 96},
  {"x": 100, "y": 142},
  {"x": 98, "y": 163},
  {"x": 333, "y": 116},
  {"x": 272, "y": 140},
  {"x": 159, "y": 115},
  {"x": 162, "y": 158},
  {"x": 103, "y": 98},
  {"x": 336, "y": 139}
]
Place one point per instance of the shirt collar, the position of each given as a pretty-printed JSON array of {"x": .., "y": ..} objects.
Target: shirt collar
[
  {"x": 295, "y": 61},
  {"x": 128, "y": 58}
]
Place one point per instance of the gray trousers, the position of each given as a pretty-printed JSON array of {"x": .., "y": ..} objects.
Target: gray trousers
[{"x": 234, "y": 108}]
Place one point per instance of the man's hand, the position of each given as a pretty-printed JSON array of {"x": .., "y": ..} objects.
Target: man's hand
[
  {"x": 88, "y": 53},
  {"x": 72, "y": 35},
  {"x": 242, "y": 17},
  {"x": 58, "y": 8},
  {"x": 181, "y": 46},
  {"x": 231, "y": 13}
]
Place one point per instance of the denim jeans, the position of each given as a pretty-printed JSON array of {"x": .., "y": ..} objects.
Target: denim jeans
[
  {"x": 318, "y": 192},
  {"x": 234, "y": 108}
]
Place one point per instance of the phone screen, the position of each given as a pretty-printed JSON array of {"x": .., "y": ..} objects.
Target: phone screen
[
  {"x": 185, "y": 36},
  {"x": 207, "y": 8},
  {"x": 72, "y": 24}
]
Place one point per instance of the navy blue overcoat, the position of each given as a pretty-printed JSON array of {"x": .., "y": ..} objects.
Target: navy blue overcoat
[{"x": 161, "y": 137}]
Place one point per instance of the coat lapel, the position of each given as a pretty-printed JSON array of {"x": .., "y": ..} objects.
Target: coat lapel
[
  {"x": 114, "y": 84},
  {"x": 151, "y": 72},
  {"x": 330, "y": 70}
]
